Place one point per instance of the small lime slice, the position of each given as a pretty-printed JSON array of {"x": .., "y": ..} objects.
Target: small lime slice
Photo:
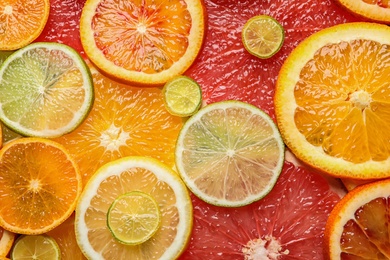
[
  {"x": 182, "y": 96},
  {"x": 133, "y": 218},
  {"x": 40, "y": 247},
  {"x": 46, "y": 90},
  {"x": 230, "y": 153},
  {"x": 262, "y": 36}
]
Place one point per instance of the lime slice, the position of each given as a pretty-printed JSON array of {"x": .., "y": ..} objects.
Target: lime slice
[
  {"x": 40, "y": 247},
  {"x": 46, "y": 90},
  {"x": 182, "y": 96},
  {"x": 262, "y": 36},
  {"x": 230, "y": 153},
  {"x": 133, "y": 218}
]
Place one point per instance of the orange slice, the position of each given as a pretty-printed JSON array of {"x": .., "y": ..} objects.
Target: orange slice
[
  {"x": 332, "y": 100},
  {"x": 6, "y": 240},
  {"x": 145, "y": 42},
  {"x": 377, "y": 10},
  {"x": 123, "y": 121},
  {"x": 39, "y": 185},
  {"x": 21, "y": 22},
  {"x": 357, "y": 227}
]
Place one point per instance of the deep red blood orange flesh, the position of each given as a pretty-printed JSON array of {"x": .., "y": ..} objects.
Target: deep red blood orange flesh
[{"x": 293, "y": 215}]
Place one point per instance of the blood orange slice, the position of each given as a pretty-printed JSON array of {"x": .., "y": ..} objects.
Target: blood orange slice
[{"x": 287, "y": 224}]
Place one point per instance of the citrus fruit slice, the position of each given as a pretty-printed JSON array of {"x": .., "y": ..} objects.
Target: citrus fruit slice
[
  {"x": 286, "y": 224},
  {"x": 124, "y": 121},
  {"x": 332, "y": 100},
  {"x": 182, "y": 96},
  {"x": 230, "y": 153},
  {"x": 6, "y": 241},
  {"x": 18, "y": 28},
  {"x": 129, "y": 174},
  {"x": 39, "y": 185},
  {"x": 133, "y": 217},
  {"x": 262, "y": 36},
  {"x": 65, "y": 237},
  {"x": 357, "y": 227},
  {"x": 46, "y": 90},
  {"x": 376, "y": 10},
  {"x": 40, "y": 247},
  {"x": 142, "y": 42}
]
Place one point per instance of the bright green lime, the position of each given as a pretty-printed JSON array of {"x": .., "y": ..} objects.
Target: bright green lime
[{"x": 182, "y": 96}]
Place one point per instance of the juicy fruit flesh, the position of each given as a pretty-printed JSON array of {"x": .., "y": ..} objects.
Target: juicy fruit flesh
[
  {"x": 149, "y": 31},
  {"x": 381, "y": 3},
  {"x": 36, "y": 247},
  {"x": 344, "y": 109}
]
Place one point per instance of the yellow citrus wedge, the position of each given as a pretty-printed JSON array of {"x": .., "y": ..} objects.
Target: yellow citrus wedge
[
  {"x": 376, "y": 10},
  {"x": 230, "y": 153},
  {"x": 46, "y": 90},
  {"x": 39, "y": 185},
  {"x": 21, "y": 22},
  {"x": 142, "y": 42},
  {"x": 40, "y": 247},
  {"x": 6, "y": 241},
  {"x": 133, "y": 174},
  {"x": 332, "y": 101},
  {"x": 357, "y": 227}
]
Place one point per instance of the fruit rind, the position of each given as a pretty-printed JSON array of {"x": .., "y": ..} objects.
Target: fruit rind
[
  {"x": 285, "y": 105},
  {"x": 361, "y": 8},
  {"x": 226, "y": 105}
]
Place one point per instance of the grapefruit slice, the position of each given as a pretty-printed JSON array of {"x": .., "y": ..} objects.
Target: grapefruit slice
[{"x": 287, "y": 224}]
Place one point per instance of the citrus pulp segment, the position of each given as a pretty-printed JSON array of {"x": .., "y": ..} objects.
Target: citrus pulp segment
[
  {"x": 143, "y": 42},
  {"x": 19, "y": 27},
  {"x": 6, "y": 241},
  {"x": 182, "y": 96},
  {"x": 262, "y": 36},
  {"x": 129, "y": 174},
  {"x": 357, "y": 227},
  {"x": 332, "y": 100},
  {"x": 230, "y": 153},
  {"x": 286, "y": 224},
  {"x": 46, "y": 90},
  {"x": 39, "y": 185},
  {"x": 133, "y": 217},
  {"x": 376, "y": 10},
  {"x": 123, "y": 121},
  {"x": 40, "y": 247}
]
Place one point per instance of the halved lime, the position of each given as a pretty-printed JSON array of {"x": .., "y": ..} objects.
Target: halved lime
[
  {"x": 133, "y": 218},
  {"x": 40, "y": 247},
  {"x": 230, "y": 153},
  {"x": 46, "y": 90},
  {"x": 262, "y": 36},
  {"x": 182, "y": 96}
]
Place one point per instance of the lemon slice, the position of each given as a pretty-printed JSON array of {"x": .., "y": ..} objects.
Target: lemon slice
[
  {"x": 230, "y": 153},
  {"x": 40, "y": 247},
  {"x": 46, "y": 90},
  {"x": 262, "y": 36},
  {"x": 182, "y": 96},
  {"x": 133, "y": 217}
]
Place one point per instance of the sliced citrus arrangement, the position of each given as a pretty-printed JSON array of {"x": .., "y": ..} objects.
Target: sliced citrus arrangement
[
  {"x": 65, "y": 237},
  {"x": 141, "y": 41},
  {"x": 262, "y": 36},
  {"x": 377, "y": 10},
  {"x": 124, "y": 121},
  {"x": 6, "y": 241},
  {"x": 286, "y": 224},
  {"x": 182, "y": 96},
  {"x": 19, "y": 27},
  {"x": 332, "y": 100},
  {"x": 46, "y": 90},
  {"x": 133, "y": 174},
  {"x": 39, "y": 185},
  {"x": 134, "y": 217},
  {"x": 230, "y": 153},
  {"x": 40, "y": 247},
  {"x": 357, "y": 227}
]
